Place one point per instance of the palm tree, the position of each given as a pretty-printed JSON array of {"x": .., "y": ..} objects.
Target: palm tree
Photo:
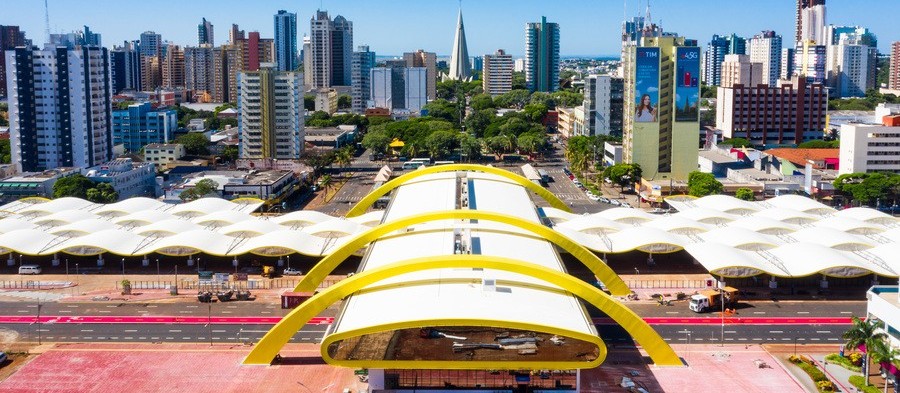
[
  {"x": 881, "y": 353},
  {"x": 343, "y": 158},
  {"x": 864, "y": 333}
]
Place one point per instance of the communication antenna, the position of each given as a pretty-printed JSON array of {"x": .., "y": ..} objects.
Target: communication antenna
[{"x": 47, "y": 20}]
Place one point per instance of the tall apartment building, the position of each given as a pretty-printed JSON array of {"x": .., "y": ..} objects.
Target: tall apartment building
[
  {"x": 10, "y": 38},
  {"x": 205, "y": 33},
  {"x": 427, "y": 60},
  {"x": 787, "y": 63},
  {"x": 602, "y": 106},
  {"x": 542, "y": 56},
  {"x": 496, "y": 76},
  {"x": 227, "y": 63},
  {"x": 199, "y": 69},
  {"x": 399, "y": 88},
  {"x": 848, "y": 68},
  {"x": 737, "y": 45},
  {"x": 73, "y": 89},
  {"x": 739, "y": 70},
  {"x": 716, "y": 49},
  {"x": 255, "y": 51},
  {"x": 477, "y": 64},
  {"x": 802, "y": 6},
  {"x": 125, "y": 67},
  {"x": 140, "y": 125},
  {"x": 811, "y": 61},
  {"x": 151, "y": 73},
  {"x": 331, "y": 49},
  {"x": 307, "y": 61},
  {"x": 812, "y": 27},
  {"x": 790, "y": 113},
  {"x": 76, "y": 38},
  {"x": 286, "y": 40},
  {"x": 151, "y": 44},
  {"x": 270, "y": 107},
  {"x": 871, "y": 147},
  {"x": 173, "y": 67},
  {"x": 661, "y": 111},
  {"x": 857, "y": 35},
  {"x": 894, "y": 77},
  {"x": 765, "y": 48},
  {"x": 361, "y": 67},
  {"x": 235, "y": 34},
  {"x": 460, "y": 68},
  {"x": 326, "y": 100}
]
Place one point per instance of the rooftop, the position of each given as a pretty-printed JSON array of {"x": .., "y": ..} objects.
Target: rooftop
[
  {"x": 162, "y": 146},
  {"x": 799, "y": 157},
  {"x": 39, "y": 176}
]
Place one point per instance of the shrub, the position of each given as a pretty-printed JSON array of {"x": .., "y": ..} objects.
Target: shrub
[
  {"x": 825, "y": 386},
  {"x": 856, "y": 359},
  {"x": 860, "y": 383},
  {"x": 846, "y": 361}
]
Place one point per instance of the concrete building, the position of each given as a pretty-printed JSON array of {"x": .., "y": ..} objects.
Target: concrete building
[
  {"x": 331, "y": 49},
  {"x": 271, "y": 186},
  {"x": 787, "y": 63},
  {"x": 791, "y": 113},
  {"x": 326, "y": 100},
  {"x": 496, "y": 77},
  {"x": 802, "y": 6},
  {"x": 661, "y": 106},
  {"x": 227, "y": 63},
  {"x": 399, "y": 89},
  {"x": 884, "y": 306},
  {"x": 151, "y": 73},
  {"x": 151, "y": 44},
  {"x": 125, "y": 67},
  {"x": 519, "y": 65},
  {"x": 10, "y": 38},
  {"x": 361, "y": 67},
  {"x": 427, "y": 60},
  {"x": 162, "y": 154},
  {"x": 848, "y": 68},
  {"x": 765, "y": 48},
  {"x": 271, "y": 113},
  {"x": 811, "y": 62},
  {"x": 306, "y": 53},
  {"x": 286, "y": 40},
  {"x": 33, "y": 184},
  {"x": 128, "y": 178},
  {"x": 565, "y": 123},
  {"x": 612, "y": 153},
  {"x": 330, "y": 138},
  {"x": 738, "y": 70},
  {"x": 72, "y": 87},
  {"x": 199, "y": 66},
  {"x": 812, "y": 27},
  {"x": 542, "y": 56},
  {"x": 858, "y": 36},
  {"x": 173, "y": 68},
  {"x": 235, "y": 34},
  {"x": 871, "y": 147},
  {"x": 477, "y": 64},
  {"x": 716, "y": 49},
  {"x": 205, "y": 33},
  {"x": 140, "y": 125},
  {"x": 602, "y": 105},
  {"x": 460, "y": 68},
  {"x": 894, "y": 77}
]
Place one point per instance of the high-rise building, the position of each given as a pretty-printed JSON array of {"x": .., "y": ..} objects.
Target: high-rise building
[
  {"x": 361, "y": 66},
  {"x": 73, "y": 90},
  {"x": 894, "y": 77},
  {"x": 661, "y": 111},
  {"x": 399, "y": 88},
  {"x": 602, "y": 106},
  {"x": 10, "y": 38},
  {"x": 270, "y": 121},
  {"x": 307, "y": 61},
  {"x": 199, "y": 71},
  {"x": 811, "y": 62},
  {"x": 151, "y": 73},
  {"x": 235, "y": 34},
  {"x": 791, "y": 113},
  {"x": 542, "y": 56},
  {"x": 125, "y": 67},
  {"x": 858, "y": 36},
  {"x": 76, "y": 38},
  {"x": 496, "y": 77},
  {"x": 286, "y": 40},
  {"x": 519, "y": 65},
  {"x": 765, "y": 48},
  {"x": 460, "y": 68},
  {"x": 427, "y": 60},
  {"x": 151, "y": 44},
  {"x": 173, "y": 67},
  {"x": 331, "y": 50},
  {"x": 848, "y": 68},
  {"x": 227, "y": 63},
  {"x": 787, "y": 63},
  {"x": 802, "y": 7},
  {"x": 737, "y": 45},
  {"x": 255, "y": 50},
  {"x": 716, "y": 49},
  {"x": 871, "y": 147},
  {"x": 738, "y": 70},
  {"x": 477, "y": 64},
  {"x": 326, "y": 100},
  {"x": 205, "y": 33},
  {"x": 813, "y": 25},
  {"x": 140, "y": 125}
]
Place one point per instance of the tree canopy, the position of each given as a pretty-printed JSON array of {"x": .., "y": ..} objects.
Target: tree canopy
[
  {"x": 102, "y": 193},
  {"x": 195, "y": 143},
  {"x": 869, "y": 187},
  {"x": 203, "y": 188},
  {"x": 625, "y": 175},
  {"x": 819, "y": 144},
  {"x": 702, "y": 184},
  {"x": 79, "y": 186},
  {"x": 745, "y": 194}
]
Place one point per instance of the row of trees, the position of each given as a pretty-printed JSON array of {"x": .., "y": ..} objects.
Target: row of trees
[
  {"x": 583, "y": 152},
  {"x": 79, "y": 186},
  {"x": 444, "y": 142},
  {"x": 870, "y": 333},
  {"x": 213, "y": 122},
  {"x": 870, "y": 188}
]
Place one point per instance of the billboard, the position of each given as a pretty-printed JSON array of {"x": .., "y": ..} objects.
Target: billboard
[
  {"x": 646, "y": 85},
  {"x": 687, "y": 84}
]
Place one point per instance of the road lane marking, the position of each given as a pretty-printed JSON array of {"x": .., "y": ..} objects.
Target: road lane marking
[
  {"x": 775, "y": 331},
  {"x": 832, "y": 339},
  {"x": 802, "y": 312},
  {"x": 846, "y": 312},
  {"x": 71, "y": 306},
  {"x": 730, "y": 331},
  {"x": 87, "y": 331},
  {"x": 174, "y": 331},
  {"x": 128, "y": 338},
  {"x": 759, "y": 312},
  {"x": 823, "y": 331},
  {"x": 218, "y": 331},
  {"x": 130, "y": 331}
]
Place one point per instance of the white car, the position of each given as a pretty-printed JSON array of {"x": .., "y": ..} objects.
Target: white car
[
  {"x": 593, "y": 197},
  {"x": 625, "y": 204},
  {"x": 614, "y": 202},
  {"x": 292, "y": 272}
]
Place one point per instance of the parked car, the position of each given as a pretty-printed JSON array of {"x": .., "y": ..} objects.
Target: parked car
[
  {"x": 625, "y": 204},
  {"x": 291, "y": 272},
  {"x": 29, "y": 269},
  {"x": 659, "y": 211},
  {"x": 604, "y": 199},
  {"x": 3, "y": 358},
  {"x": 614, "y": 202},
  {"x": 593, "y": 197}
]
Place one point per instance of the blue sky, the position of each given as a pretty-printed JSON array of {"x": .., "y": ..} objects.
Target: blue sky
[{"x": 389, "y": 27}]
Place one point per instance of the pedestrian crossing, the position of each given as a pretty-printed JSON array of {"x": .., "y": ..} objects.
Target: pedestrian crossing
[
  {"x": 572, "y": 197},
  {"x": 351, "y": 199}
]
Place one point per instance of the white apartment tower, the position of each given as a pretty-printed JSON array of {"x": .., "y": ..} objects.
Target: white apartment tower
[
  {"x": 738, "y": 69},
  {"x": 497, "y": 73},
  {"x": 73, "y": 90},
  {"x": 848, "y": 68},
  {"x": 198, "y": 69},
  {"x": 765, "y": 48},
  {"x": 398, "y": 88},
  {"x": 330, "y": 51},
  {"x": 270, "y": 107}
]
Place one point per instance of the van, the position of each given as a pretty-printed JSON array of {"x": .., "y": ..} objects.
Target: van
[{"x": 29, "y": 269}]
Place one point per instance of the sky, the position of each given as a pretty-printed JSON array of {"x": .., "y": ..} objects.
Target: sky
[{"x": 391, "y": 27}]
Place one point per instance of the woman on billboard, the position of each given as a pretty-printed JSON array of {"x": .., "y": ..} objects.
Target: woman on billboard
[{"x": 645, "y": 111}]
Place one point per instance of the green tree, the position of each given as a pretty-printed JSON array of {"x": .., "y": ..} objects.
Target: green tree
[
  {"x": 869, "y": 187},
  {"x": 863, "y": 333},
  {"x": 343, "y": 157},
  {"x": 567, "y": 98},
  {"x": 5, "y": 152},
  {"x": 469, "y": 146},
  {"x": 515, "y": 127},
  {"x": 481, "y": 102},
  {"x": 535, "y": 112},
  {"x": 202, "y": 189},
  {"x": 344, "y": 101},
  {"x": 819, "y": 144},
  {"x": 230, "y": 153},
  {"x": 377, "y": 140},
  {"x": 624, "y": 175},
  {"x": 102, "y": 193},
  {"x": 737, "y": 142},
  {"x": 543, "y": 98},
  {"x": 513, "y": 99},
  {"x": 702, "y": 184},
  {"x": 317, "y": 160},
  {"x": 531, "y": 143},
  {"x": 309, "y": 102},
  {"x": 745, "y": 194},
  {"x": 195, "y": 143},
  {"x": 707, "y": 91},
  {"x": 75, "y": 186},
  {"x": 326, "y": 182},
  {"x": 443, "y": 109},
  {"x": 500, "y": 145},
  {"x": 518, "y": 81},
  {"x": 478, "y": 121},
  {"x": 123, "y": 105},
  {"x": 440, "y": 143},
  {"x": 223, "y": 107}
]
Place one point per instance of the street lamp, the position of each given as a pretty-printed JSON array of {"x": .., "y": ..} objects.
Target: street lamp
[
  {"x": 39, "y": 320},
  {"x": 289, "y": 261},
  {"x": 157, "y": 269},
  {"x": 67, "y": 269},
  {"x": 123, "y": 267}
]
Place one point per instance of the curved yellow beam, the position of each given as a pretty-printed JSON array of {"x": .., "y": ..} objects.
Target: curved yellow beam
[
  {"x": 280, "y": 334},
  {"x": 326, "y": 265},
  {"x": 373, "y": 196}
]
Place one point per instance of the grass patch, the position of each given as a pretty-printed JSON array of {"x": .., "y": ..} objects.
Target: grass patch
[
  {"x": 844, "y": 362},
  {"x": 818, "y": 376},
  {"x": 860, "y": 383}
]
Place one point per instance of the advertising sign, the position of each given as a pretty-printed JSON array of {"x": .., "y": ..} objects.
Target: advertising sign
[
  {"x": 687, "y": 84},
  {"x": 646, "y": 85}
]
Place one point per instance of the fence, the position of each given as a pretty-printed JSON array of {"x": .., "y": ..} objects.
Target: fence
[
  {"x": 665, "y": 284},
  {"x": 278, "y": 283},
  {"x": 31, "y": 284}
]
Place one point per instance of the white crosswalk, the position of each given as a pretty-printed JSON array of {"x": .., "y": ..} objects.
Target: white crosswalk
[{"x": 572, "y": 197}]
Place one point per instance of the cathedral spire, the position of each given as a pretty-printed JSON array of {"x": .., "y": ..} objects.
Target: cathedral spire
[{"x": 460, "y": 68}]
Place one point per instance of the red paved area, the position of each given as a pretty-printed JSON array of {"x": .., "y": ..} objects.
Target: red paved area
[{"x": 194, "y": 368}]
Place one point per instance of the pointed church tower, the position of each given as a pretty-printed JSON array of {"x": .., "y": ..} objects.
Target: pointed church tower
[{"x": 460, "y": 68}]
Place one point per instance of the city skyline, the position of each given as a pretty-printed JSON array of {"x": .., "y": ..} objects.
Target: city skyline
[{"x": 433, "y": 23}]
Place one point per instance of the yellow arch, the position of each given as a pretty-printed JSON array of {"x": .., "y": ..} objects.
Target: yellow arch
[
  {"x": 280, "y": 334},
  {"x": 373, "y": 196},
  {"x": 326, "y": 265}
]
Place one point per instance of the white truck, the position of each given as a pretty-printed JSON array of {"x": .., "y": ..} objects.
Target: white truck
[{"x": 711, "y": 299}]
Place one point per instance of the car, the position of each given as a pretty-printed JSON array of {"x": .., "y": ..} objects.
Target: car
[
  {"x": 659, "y": 211},
  {"x": 627, "y": 383},
  {"x": 604, "y": 199},
  {"x": 29, "y": 269},
  {"x": 291, "y": 272},
  {"x": 614, "y": 202},
  {"x": 3, "y": 358},
  {"x": 593, "y": 197},
  {"x": 625, "y": 204},
  {"x": 571, "y": 177}
]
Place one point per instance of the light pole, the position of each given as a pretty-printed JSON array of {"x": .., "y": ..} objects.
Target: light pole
[
  {"x": 77, "y": 280},
  {"x": 722, "y": 295},
  {"x": 123, "y": 268},
  {"x": 158, "y": 277},
  {"x": 209, "y": 321},
  {"x": 67, "y": 269},
  {"x": 39, "y": 321},
  {"x": 289, "y": 261}
]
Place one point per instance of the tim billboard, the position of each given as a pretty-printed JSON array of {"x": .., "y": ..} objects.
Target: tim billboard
[
  {"x": 646, "y": 85},
  {"x": 687, "y": 83}
]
